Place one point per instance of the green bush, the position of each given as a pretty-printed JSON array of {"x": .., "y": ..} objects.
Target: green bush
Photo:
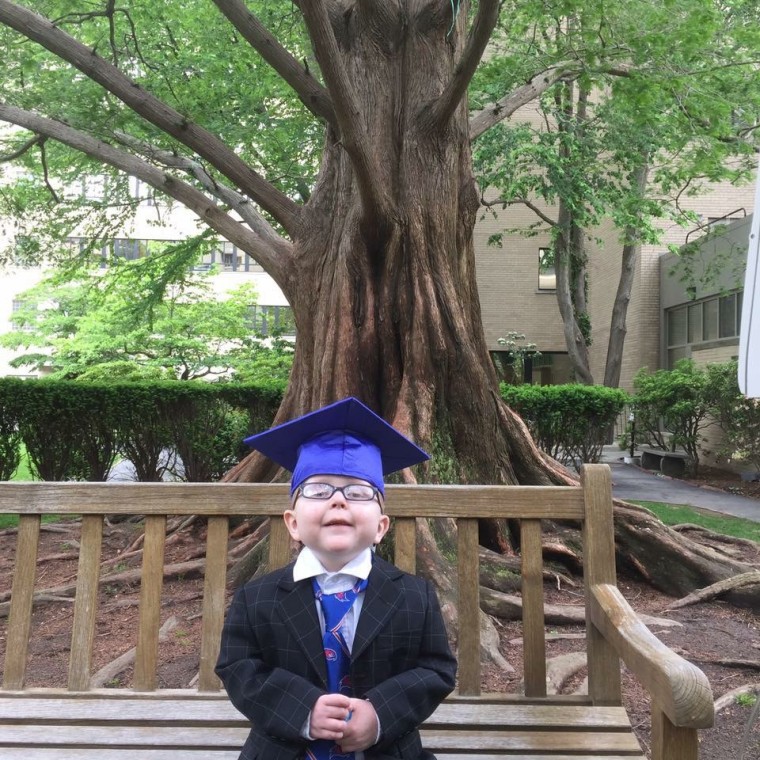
[
  {"x": 10, "y": 436},
  {"x": 569, "y": 422},
  {"x": 673, "y": 408},
  {"x": 74, "y": 430},
  {"x": 737, "y": 416}
]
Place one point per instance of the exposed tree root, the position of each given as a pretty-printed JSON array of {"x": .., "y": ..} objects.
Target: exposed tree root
[
  {"x": 560, "y": 669},
  {"x": 750, "y": 578},
  {"x": 729, "y": 698},
  {"x": 129, "y": 576},
  {"x": 509, "y": 607},
  {"x": 122, "y": 662}
]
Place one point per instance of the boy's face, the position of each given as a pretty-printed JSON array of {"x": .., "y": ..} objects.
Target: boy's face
[{"x": 336, "y": 529}]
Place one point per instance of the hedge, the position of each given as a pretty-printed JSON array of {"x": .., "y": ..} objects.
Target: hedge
[{"x": 570, "y": 422}]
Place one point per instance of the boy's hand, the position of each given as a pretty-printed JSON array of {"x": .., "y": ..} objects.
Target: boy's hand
[
  {"x": 360, "y": 731},
  {"x": 328, "y": 717}
]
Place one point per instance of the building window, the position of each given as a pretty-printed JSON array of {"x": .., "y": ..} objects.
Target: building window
[
  {"x": 231, "y": 259},
  {"x": 547, "y": 276},
  {"x": 273, "y": 320},
  {"x": 17, "y": 306},
  {"x": 696, "y": 323}
]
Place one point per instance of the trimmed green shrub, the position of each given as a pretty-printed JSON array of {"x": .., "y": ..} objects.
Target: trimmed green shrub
[
  {"x": 10, "y": 436},
  {"x": 569, "y": 422},
  {"x": 74, "y": 430}
]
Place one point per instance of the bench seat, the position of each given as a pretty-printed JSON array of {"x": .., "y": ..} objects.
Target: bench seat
[
  {"x": 114, "y": 724},
  {"x": 672, "y": 463}
]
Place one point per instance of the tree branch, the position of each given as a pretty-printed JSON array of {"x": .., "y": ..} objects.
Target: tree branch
[
  {"x": 448, "y": 101},
  {"x": 196, "y": 201},
  {"x": 309, "y": 91},
  {"x": 205, "y": 144},
  {"x": 535, "y": 209},
  {"x": 505, "y": 107},
  {"x": 27, "y": 146},
  {"x": 232, "y": 198},
  {"x": 353, "y": 134}
]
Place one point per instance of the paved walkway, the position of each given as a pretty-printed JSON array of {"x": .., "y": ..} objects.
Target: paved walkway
[{"x": 631, "y": 482}]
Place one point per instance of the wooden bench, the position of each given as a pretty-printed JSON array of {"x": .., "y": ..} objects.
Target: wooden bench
[
  {"x": 149, "y": 723},
  {"x": 672, "y": 463}
]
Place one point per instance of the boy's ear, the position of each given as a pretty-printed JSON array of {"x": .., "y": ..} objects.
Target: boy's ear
[
  {"x": 382, "y": 527},
  {"x": 289, "y": 516}
]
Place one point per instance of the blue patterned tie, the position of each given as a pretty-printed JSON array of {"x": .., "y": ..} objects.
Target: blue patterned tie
[{"x": 335, "y": 607}]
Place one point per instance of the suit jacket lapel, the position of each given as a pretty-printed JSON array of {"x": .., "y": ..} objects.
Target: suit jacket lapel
[
  {"x": 298, "y": 611},
  {"x": 380, "y": 600}
]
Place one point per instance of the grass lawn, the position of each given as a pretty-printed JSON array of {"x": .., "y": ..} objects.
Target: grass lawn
[
  {"x": 674, "y": 514},
  {"x": 23, "y": 472}
]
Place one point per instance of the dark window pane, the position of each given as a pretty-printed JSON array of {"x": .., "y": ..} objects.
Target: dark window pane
[
  {"x": 710, "y": 319},
  {"x": 695, "y": 323},
  {"x": 727, "y": 324},
  {"x": 676, "y": 319}
]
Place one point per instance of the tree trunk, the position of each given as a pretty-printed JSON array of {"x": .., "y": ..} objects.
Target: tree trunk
[{"x": 618, "y": 328}]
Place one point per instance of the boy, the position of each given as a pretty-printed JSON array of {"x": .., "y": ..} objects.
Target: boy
[{"x": 318, "y": 683}]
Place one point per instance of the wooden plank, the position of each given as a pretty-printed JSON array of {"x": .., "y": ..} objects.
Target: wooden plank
[
  {"x": 82, "y": 753},
  {"x": 133, "y": 736},
  {"x": 250, "y": 499},
  {"x": 22, "y": 591},
  {"x": 133, "y": 708},
  {"x": 150, "y": 737},
  {"x": 208, "y": 754},
  {"x": 531, "y": 741},
  {"x": 405, "y": 543},
  {"x": 534, "y": 642},
  {"x": 280, "y": 544},
  {"x": 214, "y": 583},
  {"x": 604, "y": 685},
  {"x": 146, "y": 659},
  {"x": 85, "y": 603},
  {"x": 468, "y": 606}
]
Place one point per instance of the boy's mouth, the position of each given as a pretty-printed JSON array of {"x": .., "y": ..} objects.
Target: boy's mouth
[{"x": 338, "y": 523}]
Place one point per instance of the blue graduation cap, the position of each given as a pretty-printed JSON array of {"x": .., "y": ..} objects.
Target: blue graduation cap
[{"x": 344, "y": 438}]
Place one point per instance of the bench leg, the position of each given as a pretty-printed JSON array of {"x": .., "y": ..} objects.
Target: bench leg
[
  {"x": 675, "y": 468},
  {"x": 650, "y": 461},
  {"x": 671, "y": 742}
]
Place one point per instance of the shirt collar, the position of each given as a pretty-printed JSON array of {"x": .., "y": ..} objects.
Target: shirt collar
[{"x": 308, "y": 566}]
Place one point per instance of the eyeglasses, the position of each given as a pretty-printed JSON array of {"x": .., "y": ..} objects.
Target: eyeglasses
[{"x": 352, "y": 492}]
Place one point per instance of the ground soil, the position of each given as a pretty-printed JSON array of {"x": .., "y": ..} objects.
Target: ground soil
[{"x": 721, "y": 639}]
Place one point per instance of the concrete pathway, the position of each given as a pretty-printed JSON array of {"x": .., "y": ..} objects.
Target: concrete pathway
[{"x": 631, "y": 482}]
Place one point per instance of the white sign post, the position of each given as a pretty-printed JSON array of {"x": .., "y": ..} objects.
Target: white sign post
[{"x": 749, "y": 340}]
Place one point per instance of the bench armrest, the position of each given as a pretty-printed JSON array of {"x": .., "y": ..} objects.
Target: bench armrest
[{"x": 681, "y": 689}]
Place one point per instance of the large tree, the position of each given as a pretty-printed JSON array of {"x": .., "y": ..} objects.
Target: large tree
[{"x": 375, "y": 255}]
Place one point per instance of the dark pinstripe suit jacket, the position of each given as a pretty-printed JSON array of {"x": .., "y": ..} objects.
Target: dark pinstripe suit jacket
[{"x": 272, "y": 664}]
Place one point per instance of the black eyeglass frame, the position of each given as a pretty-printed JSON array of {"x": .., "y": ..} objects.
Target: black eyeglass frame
[{"x": 300, "y": 492}]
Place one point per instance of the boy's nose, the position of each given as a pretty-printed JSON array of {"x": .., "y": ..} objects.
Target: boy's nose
[{"x": 338, "y": 499}]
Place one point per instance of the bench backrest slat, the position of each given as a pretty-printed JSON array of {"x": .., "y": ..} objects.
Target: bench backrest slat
[
  {"x": 86, "y": 602},
  {"x": 151, "y": 583},
  {"x": 405, "y": 544},
  {"x": 468, "y": 607},
  {"x": 214, "y": 583},
  {"x": 22, "y": 591},
  {"x": 534, "y": 637}
]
